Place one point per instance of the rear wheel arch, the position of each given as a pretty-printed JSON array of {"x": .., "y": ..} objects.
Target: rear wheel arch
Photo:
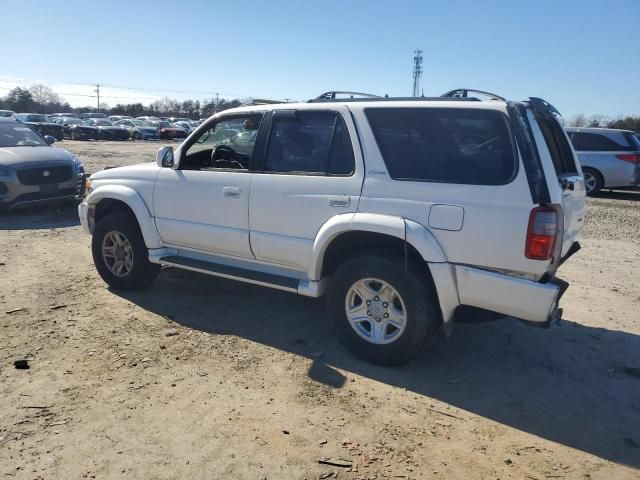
[{"x": 358, "y": 242}]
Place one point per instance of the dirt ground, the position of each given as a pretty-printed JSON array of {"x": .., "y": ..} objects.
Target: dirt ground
[{"x": 205, "y": 378}]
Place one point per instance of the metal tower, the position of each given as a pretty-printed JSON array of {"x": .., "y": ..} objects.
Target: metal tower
[{"x": 417, "y": 72}]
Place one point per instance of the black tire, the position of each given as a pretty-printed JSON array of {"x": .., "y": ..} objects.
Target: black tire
[
  {"x": 136, "y": 136},
  {"x": 143, "y": 272},
  {"x": 597, "y": 181},
  {"x": 422, "y": 315}
]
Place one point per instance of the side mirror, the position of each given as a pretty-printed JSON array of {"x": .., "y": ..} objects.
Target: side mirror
[
  {"x": 49, "y": 139},
  {"x": 164, "y": 157}
]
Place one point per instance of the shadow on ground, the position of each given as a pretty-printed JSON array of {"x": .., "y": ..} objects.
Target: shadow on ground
[
  {"x": 40, "y": 217},
  {"x": 570, "y": 384}
]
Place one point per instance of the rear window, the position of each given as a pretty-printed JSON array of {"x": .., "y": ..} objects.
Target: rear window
[
  {"x": 595, "y": 142},
  {"x": 464, "y": 146}
]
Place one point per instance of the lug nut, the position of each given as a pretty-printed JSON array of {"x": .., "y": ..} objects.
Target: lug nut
[
  {"x": 386, "y": 315},
  {"x": 368, "y": 313},
  {"x": 368, "y": 302},
  {"x": 385, "y": 304},
  {"x": 376, "y": 298}
]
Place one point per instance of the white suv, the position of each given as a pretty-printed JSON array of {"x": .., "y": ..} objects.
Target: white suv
[{"x": 407, "y": 213}]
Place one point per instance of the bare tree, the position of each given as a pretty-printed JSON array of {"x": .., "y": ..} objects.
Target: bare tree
[
  {"x": 43, "y": 96},
  {"x": 577, "y": 121}
]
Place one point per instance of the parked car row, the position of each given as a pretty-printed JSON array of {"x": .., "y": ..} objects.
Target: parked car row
[{"x": 97, "y": 126}]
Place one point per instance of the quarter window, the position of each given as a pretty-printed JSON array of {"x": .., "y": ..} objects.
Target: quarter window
[
  {"x": 463, "y": 146},
  {"x": 309, "y": 142}
]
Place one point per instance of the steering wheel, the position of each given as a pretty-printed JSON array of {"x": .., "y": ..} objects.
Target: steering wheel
[{"x": 227, "y": 155}]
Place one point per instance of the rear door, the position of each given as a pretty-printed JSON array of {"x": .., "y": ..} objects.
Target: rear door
[
  {"x": 560, "y": 164},
  {"x": 308, "y": 175}
]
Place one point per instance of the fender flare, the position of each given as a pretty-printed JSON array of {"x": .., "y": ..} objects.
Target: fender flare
[
  {"x": 137, "y": 205},
  {"x": 413, "y": 233}
]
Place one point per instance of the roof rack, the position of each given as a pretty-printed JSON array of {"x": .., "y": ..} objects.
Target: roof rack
[
  {"x": 464, "y": 93},
  {"x": 332, "y": 95}
]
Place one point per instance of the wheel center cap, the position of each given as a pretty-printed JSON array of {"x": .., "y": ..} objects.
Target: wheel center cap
[
  {"x": 120, "y": 255},
  {"x": 376, "y": 309}
]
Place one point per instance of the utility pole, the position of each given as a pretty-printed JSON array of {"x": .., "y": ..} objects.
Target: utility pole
[
  {"x": 417, "y": 72},
  {"x": 98, "y": 93},
  {"x": 217, "y": 102}
]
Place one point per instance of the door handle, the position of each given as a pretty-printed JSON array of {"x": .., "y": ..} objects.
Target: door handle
[
  {"x": 340, "y": 201},
  {"x": 233, "y": 192}
]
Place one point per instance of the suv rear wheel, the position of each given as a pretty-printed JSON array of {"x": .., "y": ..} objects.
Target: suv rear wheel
[
  {"x": 380, "y": 311},
  {"x": 120, "y": 255}
]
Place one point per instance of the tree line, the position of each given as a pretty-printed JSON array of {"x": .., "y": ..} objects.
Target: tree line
[{"x": 42, "y": 99}]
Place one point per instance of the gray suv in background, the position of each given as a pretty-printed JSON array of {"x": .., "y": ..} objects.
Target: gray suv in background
[{"x": 610, "y": 158}]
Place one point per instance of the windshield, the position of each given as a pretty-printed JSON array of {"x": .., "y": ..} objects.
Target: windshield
[
  {"x": 140, "y": 123},
  {"x": 164, "y": 124},
  {"x": 102, "y": 123},
  {"x": 74, "y": 121},
  {"x": 16, "y": 135},
  {"x": 37, "y": 118}
]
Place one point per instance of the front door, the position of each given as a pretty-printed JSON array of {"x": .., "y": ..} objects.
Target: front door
[{"x": 204, "y": 203}]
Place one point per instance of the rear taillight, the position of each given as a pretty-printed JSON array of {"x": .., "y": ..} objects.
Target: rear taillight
[
  {"x": 629, "y": 157},
  {"x": 541, "y": 234}
]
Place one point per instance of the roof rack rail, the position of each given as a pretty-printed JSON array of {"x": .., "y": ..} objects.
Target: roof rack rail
[
  {"x": 262, "y": 101},
  {"x": 464, "y": 93},
  {"x": 332, "y": 95}
]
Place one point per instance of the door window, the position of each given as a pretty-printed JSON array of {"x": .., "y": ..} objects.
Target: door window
[
  {"x": 309, "y": 143},
  {"x": 228, "y": 145}
]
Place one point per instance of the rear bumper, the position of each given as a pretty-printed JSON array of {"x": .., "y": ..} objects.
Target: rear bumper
[{"x": 512, "y": 296}]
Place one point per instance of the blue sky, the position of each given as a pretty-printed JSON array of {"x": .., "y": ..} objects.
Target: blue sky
[{"x": 581, "y": 55}]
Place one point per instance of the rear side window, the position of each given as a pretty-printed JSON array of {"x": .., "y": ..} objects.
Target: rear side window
[
  {"x": 465, "y": 146},
  {"x": 595, "y": 142},
  {"x": 309, "y": 142}
]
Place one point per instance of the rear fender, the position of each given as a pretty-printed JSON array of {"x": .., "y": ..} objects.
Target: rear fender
[{"x": 137, "y": 205}]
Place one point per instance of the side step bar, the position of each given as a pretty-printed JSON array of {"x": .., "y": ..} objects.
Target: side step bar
[{"x": 303, "y": 287}]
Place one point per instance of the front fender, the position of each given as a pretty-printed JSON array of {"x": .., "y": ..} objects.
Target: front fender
[{"x": 137, "y": 205}]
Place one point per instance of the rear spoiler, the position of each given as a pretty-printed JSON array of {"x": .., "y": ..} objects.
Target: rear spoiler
[{"x": 542, "y": 106}]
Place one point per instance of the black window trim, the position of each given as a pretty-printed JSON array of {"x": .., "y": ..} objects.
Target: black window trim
[
  {"x": 214, "y": 121},
  {"x": 516, "y": 167},
  {"x": 260, "y": 166}
]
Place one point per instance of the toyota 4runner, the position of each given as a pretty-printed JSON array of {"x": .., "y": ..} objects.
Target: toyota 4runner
[{"x": 406, "y": 212}]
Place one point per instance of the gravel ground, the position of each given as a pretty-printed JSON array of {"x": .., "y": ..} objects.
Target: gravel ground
[{"x": 200, "y": 377}]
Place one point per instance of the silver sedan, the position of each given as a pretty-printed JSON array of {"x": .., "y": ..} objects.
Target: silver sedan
[{"x": 33, "y": 171}]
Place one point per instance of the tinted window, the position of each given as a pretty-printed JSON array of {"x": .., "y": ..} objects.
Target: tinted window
[
  {"x": 309, "y": 142},
  {"x": 464, "y": 146},
  {"x": 595, "y": 142}
]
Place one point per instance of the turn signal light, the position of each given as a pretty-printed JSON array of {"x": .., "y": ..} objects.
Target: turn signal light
[{"x": 541, "y": 234}]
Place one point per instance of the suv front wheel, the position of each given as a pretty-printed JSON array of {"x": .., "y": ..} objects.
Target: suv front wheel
[
  {"x": 120, "y": 254},
  {"x": 381, "y": 311}
]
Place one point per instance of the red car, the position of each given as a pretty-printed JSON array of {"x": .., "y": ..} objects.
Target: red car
[{"x": 169, "y": 130}]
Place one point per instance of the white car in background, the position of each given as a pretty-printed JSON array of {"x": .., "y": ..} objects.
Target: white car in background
[{"x": 610, "y": 158}]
